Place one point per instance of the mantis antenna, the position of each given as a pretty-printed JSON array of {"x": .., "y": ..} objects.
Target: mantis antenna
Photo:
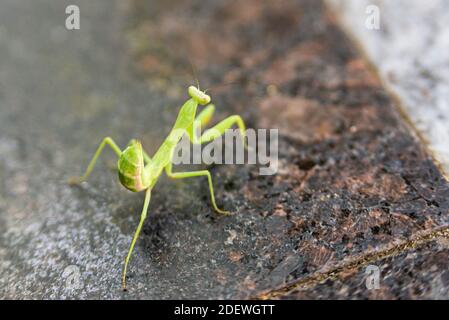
[{"x": 194, "y": 73}]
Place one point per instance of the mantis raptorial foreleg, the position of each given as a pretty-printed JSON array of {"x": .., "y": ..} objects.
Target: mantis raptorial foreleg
[
  {"x": 204, "y": 117},
  {"x": 200, "y": 173},
  {"x": 106, "y": 141},
  {"x": 219, "y": 129},
  {"x": 136, "y": 235}
]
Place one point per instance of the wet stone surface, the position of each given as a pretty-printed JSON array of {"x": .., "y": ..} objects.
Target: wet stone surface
[
  {"x": 418, "y": 274},
  {"x": 351, "y": 177}
]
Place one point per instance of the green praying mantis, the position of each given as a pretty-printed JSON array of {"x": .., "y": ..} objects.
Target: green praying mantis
[{"x": 138, "y": 172}]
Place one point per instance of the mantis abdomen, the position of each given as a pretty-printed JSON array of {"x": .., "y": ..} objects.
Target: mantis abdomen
[{"x": 131, "y": 168}]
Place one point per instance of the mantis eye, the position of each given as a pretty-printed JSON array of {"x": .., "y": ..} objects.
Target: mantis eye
[{"x": 199, "y": 96}]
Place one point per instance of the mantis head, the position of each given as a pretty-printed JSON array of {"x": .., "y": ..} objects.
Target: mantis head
[
  {"x": 199, "y": 96},
  {"x": 131, "y": 168}
]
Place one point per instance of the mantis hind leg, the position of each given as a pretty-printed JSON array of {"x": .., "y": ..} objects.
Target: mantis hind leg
[
  {"x": 106, "y": 141},
  {"x": 200, "y": 173},
  {"x": 136, "y": 235}
]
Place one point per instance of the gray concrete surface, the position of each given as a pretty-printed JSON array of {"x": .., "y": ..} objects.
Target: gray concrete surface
[{"x": 61, "y": 92}]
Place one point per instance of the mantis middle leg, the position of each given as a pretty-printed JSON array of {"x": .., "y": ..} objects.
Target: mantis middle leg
[
  {"x": 200, "y": 173},
  {"x": 106, "y": 141}
]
